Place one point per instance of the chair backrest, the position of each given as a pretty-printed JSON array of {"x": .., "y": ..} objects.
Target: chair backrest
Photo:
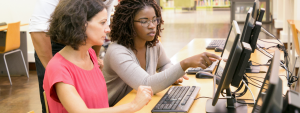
[
  {"x": 295, "y": 38},
  {"x": 12, "y": 40},
  {"x": 46, "y": 102}
]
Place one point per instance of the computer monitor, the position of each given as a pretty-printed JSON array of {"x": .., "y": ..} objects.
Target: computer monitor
[
  {"x": 255, "y": 35},
  {"x": 261, "y": 14},
  {"x": 248, "y": 27},
  {"x": 225, "y": 70},
  {"x": 256, "y": 8},
  {"x": 249, "y": 14},
  {"x": 243, "y": 63},
  {"x": 270, "y": 98}
]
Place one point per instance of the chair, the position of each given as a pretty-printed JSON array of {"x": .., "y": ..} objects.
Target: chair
[
  {"x": 296, "y": 48},
  {"x": 12, "y": 44},
  {"x": 46, "y": 102},
  {"x": 295, "y": 39}
]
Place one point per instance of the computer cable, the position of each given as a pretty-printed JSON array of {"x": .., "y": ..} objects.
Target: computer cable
[
  {"x": 249, "y": 90},
  {"x": 294, "y": 78},
  {"x": 297, "y": 80},
  {"x": 270, "y": 34},
  {"x": 286, "y": 58},
  {"x": 244, "y": 102},
  {"x": 278, "y": 45},
  {"x": 267, "y": 41},
  {"x": 235, "y": 93},
  {"x": 245, "y": 88},
  {"x": 257, "y": 77},
  {"x": 254, "y": 83},
  {"x": 208, "y": 97},
  {"x": 266, "y": 53},
  {"x": 254, "y": 79},
  {"x": 258, "y": 64}
]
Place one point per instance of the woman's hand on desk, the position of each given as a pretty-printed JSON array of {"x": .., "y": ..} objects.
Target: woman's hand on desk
[
  {"x": 180, "y": 80},
  {"x": 202, "y": 60},
  {"x": 142, "y": 98}
]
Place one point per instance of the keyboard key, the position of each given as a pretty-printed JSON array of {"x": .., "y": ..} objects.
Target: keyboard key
[
  {"x": 170, "y": 105},
  {"x": 189, "y": 93},
  {"x": 185, "y": 100},
  {"x": 174, "y": 106},
  {"x": 184, "y": 92},
  {"x": 157, "y": 106},
  {"x": 166, "y": 107}
]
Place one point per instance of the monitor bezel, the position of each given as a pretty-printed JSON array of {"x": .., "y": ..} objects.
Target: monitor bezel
[
  {"x": 275, "y": 83},
  {"x": 229, "y": 68}
]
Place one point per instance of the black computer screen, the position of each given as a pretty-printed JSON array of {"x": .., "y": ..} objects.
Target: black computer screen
[
  {"x": 263, "y": 93},
  {"x": 269, "y": 99},
  {"x": 256, "y": 7},
  {"x": 228, "y": 47},
  {"x": 228, "y": 67}
]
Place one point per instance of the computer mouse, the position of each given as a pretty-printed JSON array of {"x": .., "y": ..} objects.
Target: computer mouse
[
  {"x": 202, "y": 74},
  {"x": 218, "y": 49}
]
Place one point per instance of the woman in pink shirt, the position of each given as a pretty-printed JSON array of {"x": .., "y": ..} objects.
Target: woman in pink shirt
[{"x": 73, "y": 81}]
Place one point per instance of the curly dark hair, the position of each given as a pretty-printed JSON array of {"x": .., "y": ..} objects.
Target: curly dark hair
[
  {"x": 69, "y": 20},
  {"x": 122, "y": 29}
]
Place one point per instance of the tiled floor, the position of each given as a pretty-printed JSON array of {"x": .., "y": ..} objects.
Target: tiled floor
[{"x": 179, "y": 28}]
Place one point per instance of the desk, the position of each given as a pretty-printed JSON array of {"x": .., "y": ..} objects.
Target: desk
[
  {"x": 2, "y": 28},
  {"x": 194, "y": 47}
]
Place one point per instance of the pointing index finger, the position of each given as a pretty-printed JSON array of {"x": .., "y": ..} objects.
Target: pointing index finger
[{"x": 213, "y": 56}]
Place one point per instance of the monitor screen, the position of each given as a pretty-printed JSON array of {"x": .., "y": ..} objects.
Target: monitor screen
[
  {"x": 249, "y": 13},
  {"x": 226, "y": 51},
  {"x": 263, "y": 93},
  {"x": 269, "y": 99},
  {"x": 231, "y": 54},
  {"x": 256, "y": 8}
]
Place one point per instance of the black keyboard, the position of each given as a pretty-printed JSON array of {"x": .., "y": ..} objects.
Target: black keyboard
[
  {"x": 216, "y": 43},
  {"x": 208, "y": 69},
  {"x": 177, "y": 99}
]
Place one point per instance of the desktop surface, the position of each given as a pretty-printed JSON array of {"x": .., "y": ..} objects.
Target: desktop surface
[{"x": 197, "y": 46}]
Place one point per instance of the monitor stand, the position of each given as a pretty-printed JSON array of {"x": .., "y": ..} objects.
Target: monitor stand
[
  {"x": 221, "y": 107},
  {"x": 252, "y": 69},
  {"x": 228, "y": 105}
]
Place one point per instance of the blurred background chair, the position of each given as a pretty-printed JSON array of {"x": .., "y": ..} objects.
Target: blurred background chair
[
  {"x": 12, "y": 44},
  {"x": 295, "y": 51},
  {"x": 46, "y": 102}
]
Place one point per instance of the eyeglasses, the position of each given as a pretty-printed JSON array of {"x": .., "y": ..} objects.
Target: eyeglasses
[{"x": 146, "y": 23}]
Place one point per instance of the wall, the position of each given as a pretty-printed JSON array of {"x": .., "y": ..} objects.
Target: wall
[{"x": 19, "y": 10}]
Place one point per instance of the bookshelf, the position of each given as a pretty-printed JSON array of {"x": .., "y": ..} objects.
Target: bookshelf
[
  {"x": 169, "y": 4},
  {"x": 212, "y": 3},
  {"x": 239, "y": 9}
]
